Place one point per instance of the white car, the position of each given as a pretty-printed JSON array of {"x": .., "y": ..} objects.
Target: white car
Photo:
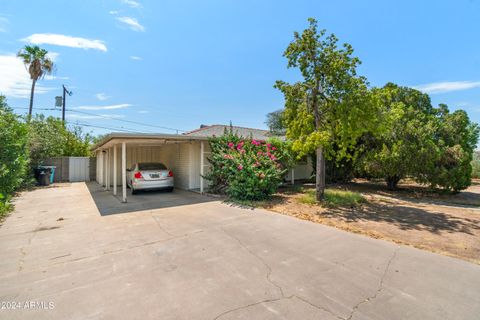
[{"x": 148, "y": 176}]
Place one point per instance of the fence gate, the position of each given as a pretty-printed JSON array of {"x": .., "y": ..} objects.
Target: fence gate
[{"x": 79, "y": 169}]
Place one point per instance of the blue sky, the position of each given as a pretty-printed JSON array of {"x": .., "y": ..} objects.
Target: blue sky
[{"x": 179, "y": 64}]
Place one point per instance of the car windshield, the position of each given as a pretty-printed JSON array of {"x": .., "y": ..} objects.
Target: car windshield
[{"x": 151, "y": 166}]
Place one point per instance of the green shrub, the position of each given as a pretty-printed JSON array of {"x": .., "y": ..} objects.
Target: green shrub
[
  {"x": 49, "y": 137},
  {"x": 334, "y": 198},
  {"x": 456, "y": 140},
  {"x": 13, "y": 154},
  {"x": 246, "y": 169},
  {"x": 5, "y": 207}
]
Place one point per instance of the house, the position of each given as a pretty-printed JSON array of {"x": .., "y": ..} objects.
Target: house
[{"x": 185, "y": 154}]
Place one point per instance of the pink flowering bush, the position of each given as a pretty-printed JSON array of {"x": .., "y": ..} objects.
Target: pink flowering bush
[{"x": 245, "y": 168}]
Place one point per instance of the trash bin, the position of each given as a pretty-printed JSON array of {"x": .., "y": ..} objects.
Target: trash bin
[
  {"x": 42, "y": 175},
  {"x": 52, "y": 171}
]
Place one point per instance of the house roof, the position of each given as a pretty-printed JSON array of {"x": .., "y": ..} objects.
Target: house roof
[
  {"x": 145, "y": 137},
  {"x": 202, "y": 133},
  {"x": 219, "y": 129}
]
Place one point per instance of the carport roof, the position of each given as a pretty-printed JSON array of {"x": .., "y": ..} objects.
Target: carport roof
[{"x": 145, "y": 136}]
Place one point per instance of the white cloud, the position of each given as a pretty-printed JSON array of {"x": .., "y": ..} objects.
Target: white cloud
[
  {"x": 132, "y": 23},
  {"x": 442, "y": 87},
  {"x": 135, "y": 58},
  {"x": 110, "y": 107},
  {"x": 101, "y": 96},
  {"x": 143, "y": 111},
  {"x": 100, "y": 116},
  {"x": 113, "y": 12},
  {"x": 51, "y": 77},
  {"x": 132, "y": 3},
  {"x": 53, "y": 55},
  {"x": 4, "y": 22},
  {"x": 15, "y": 81},
  {"x": 66, "y": 41}
]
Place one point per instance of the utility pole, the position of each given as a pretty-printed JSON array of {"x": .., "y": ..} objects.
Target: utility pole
[{"x": 65, "y": 91}]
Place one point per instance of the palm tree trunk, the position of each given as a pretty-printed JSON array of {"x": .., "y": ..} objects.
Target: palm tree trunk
[
  {"x": 30, "y": 109},
  {"x": 320, "y": 175}
]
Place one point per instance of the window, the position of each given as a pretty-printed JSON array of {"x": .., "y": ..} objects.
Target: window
[{"x": 151, "y": 166}]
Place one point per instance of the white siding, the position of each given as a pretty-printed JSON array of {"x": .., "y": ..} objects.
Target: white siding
[
  {"x": 303, "y": 170},
  {"x": 195, "y": 166},
  {"x": 194, "y": 163},
  {"x": 139, "y": 154},
  {"x": 180, "y": 164}
]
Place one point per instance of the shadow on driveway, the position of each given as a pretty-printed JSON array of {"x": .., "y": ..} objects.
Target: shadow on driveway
[{"x": 108, "y": 204}]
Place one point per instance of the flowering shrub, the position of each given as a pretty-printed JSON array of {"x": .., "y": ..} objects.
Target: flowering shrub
[{"x": 245, "y": 168}]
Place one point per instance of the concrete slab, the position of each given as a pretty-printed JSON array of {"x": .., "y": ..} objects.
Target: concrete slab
[{"x": 78, "y": 250}]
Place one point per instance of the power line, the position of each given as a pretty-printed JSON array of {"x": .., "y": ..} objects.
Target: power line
[
  {"x": 130, "y": 121},
  {"x": 91, "y": 125},
  {"x": 51, "y": 109},
  {"x": 102, "y": 127},
  {"x": 110, "y": 118}
]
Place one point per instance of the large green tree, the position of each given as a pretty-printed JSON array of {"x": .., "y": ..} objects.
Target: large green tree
[
  {"x": 275, "y": 122},
  {"x": 38, "y": 63},
  {"x": 331, "y": 101},
  {"x": 456, "y": 139},
  {"x": 402, "y": 144}
]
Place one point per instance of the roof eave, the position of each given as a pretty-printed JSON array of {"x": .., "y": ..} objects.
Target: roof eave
[{"x": 159, "y": 136}]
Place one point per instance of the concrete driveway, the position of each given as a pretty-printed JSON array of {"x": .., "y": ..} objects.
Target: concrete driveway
[{"x": 75, "y": 252}]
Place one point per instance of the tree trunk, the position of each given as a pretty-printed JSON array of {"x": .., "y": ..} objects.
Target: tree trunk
[
  {"x": 392, "y": 182},
  {"x": 320, "y": 175},
  {"x": 30, "y": 109}
]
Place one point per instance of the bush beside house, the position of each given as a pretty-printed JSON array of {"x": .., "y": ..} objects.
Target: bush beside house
[{"x": 245, "y": 168}]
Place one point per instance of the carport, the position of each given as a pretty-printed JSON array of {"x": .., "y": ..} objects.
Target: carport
[{"x": 184, "y": 155}]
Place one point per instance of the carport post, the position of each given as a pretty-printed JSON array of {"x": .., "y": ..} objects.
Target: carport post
[
  {"x": 124, "y": 172},
  {"x": 107, "y": 169},
  {"x": 201, "y": 165},
  {"x": 293, "y": 176},
  {"x": 115, "y": 169}
]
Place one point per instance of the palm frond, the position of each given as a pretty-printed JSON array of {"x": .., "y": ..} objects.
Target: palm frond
[{"x": 36, "y": 61}]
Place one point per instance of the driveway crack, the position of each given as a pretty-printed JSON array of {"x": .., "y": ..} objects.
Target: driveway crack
[
  {"x": 248, "y": 306},
  {"x": 268, "y": 277},
  {"x": 162, "y": 228},
  {"x": 23, "y": 253},
  {"x": 318, "y": 307},
  {"x": 259, "y": 258},
  {"x": 380, "y": 285},
  {"x": 275, "y": 300}
]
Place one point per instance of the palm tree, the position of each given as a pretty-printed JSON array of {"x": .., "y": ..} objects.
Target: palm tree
[{"x": 38, "y": 64}]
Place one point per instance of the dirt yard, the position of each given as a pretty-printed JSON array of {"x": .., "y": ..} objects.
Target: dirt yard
[{"x": 444, "y": 223}]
